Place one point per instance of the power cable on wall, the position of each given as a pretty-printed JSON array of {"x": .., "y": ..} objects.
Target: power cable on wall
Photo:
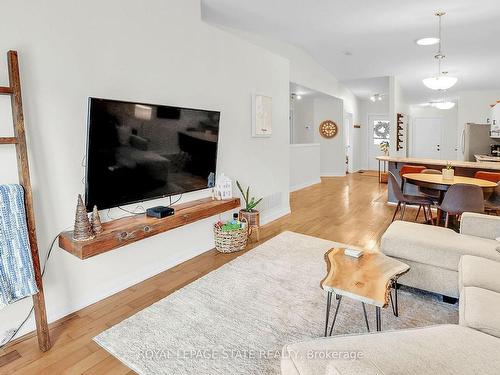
[{"x": 16, "y": 331}]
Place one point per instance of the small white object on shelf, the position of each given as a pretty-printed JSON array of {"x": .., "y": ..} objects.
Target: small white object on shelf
[
  {"x": 353, "y": 253},
  {"x": 223, "y": 187}
]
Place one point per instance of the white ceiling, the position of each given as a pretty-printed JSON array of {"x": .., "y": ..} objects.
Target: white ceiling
[
  {"x": 307, "y": 93},
  {"x": 380, "y": 36},
  {"x": 363, "y": 88}
]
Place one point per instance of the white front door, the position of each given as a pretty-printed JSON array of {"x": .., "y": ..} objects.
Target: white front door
[
  {"x": 378, "y": 132},
  {"x": 426, "y": 138}
]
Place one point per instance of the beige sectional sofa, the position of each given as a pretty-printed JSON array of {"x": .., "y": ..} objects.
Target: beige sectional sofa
[
  {"x": 433, "y": 253},
  {"x": 472, "y": 347}
]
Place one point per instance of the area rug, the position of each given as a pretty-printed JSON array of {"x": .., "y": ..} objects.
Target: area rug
[{"x": 236, "y": 319}]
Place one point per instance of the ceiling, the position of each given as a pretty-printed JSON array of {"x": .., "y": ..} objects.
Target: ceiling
[
  {"x": 363, "y": 88},
  {"x": 307, "y": 93},
  {"x": 361, "y": 39}
]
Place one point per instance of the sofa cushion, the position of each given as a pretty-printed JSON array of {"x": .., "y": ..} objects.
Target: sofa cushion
[
  {"x": 480, "y": 225},
  {"x": 443, "y": 349},
  {"x": 479, "y": 272},
  {"x": 480, "y": 309},
  {"x": 433, "y": 245}
]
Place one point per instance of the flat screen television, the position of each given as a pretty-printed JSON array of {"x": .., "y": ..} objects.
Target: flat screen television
[{"x": 137, "y": 151}]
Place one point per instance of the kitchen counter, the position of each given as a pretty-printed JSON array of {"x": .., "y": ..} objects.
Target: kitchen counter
[
  {"x": 483, "y": 165},
  {"x": 462, "y": 168},
  {"x": 486, "y": 158}
]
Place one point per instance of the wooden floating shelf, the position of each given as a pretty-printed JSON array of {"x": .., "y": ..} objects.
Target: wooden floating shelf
[{"x": 126, "y": 230}]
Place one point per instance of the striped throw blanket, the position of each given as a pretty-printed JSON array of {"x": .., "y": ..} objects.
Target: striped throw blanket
[{"x": 17, "y": 278}]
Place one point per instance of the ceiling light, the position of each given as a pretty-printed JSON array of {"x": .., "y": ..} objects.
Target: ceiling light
[
  {"x": 376, "y": 97},
  {"x": 427, "y": 41},
  {"x": 441, "y": 81},
  {"x": 443, "y": 105},
  {"x": 299, "y": 97}
]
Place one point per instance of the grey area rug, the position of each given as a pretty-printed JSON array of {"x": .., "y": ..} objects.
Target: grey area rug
[{"x": 236, "y": 319}]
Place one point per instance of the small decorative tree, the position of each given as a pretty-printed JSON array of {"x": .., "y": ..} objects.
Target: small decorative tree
[
  {"x": 82, "y": 230},
  {"x": 95, "y": 221}
]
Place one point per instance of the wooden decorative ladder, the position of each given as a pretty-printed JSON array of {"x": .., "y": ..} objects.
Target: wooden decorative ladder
[{"x": 19, "y": 140}]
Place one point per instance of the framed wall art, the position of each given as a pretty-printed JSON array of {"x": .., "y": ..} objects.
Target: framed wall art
[{"x": 262, "y": 115}]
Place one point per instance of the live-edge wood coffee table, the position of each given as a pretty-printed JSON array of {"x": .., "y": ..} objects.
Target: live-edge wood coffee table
[{"x": 367, "y": 279}]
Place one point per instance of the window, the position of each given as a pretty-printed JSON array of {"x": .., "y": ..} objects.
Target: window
[{"x": 381, "y": 130}]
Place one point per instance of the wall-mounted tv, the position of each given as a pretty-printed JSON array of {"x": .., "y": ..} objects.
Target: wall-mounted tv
[{"x": 138, "y": 151}]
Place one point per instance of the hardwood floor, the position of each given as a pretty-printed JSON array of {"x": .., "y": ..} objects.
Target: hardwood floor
[{"x": 348, "y": 209}]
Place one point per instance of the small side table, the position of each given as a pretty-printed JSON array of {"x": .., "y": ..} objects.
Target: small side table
[{"x": 367, "y": 279}]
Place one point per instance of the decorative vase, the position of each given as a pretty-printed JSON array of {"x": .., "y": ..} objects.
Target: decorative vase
[
  {"x": 448, "y": 174},
  {"x": 252, "y": 217}
]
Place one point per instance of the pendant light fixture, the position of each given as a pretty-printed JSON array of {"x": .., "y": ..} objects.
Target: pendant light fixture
[
  {"x": 443, "y": 104},
  {"x": 442, "y": 81}
]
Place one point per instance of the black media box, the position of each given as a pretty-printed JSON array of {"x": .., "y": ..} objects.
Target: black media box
[{"x": 160, "y": 212}]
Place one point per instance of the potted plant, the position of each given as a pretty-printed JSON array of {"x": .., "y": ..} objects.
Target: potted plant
[
  {"x": 249, "y": 212},
  {"x": 384, "y": 147},
  {"x": 448, "y": 172}
]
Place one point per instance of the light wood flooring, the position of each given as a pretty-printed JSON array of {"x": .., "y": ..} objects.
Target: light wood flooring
[{"x": 349, "y": 209}]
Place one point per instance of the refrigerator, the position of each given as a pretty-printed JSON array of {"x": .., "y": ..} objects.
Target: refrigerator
[{"x": 476, "y": 141}]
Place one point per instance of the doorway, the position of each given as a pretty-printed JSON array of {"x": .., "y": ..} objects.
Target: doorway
[
  {"x": 378, "y": 131},
  {"x": 427, "y": 138}
]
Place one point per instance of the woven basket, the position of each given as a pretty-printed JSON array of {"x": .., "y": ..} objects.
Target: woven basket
[{"x": 231, "y": 241}]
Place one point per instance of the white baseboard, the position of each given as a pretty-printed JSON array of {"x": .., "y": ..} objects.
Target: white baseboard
[
  {"x": 305, "y": 184},
  {"x": 272, "y": 215}
]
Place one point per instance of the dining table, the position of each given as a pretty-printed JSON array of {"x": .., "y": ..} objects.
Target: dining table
[{"x": 440, "y": 184}]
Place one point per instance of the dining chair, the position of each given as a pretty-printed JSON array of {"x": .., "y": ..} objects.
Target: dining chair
[
  {"x": 488, "y": 176},
  {"x": 430, "y": 193},
  {"x": 407, "y": 168},
  {"x": 409, "y": 200},
  {"x": 492, "y": 204},
  {"x": 462, "y": 198}
]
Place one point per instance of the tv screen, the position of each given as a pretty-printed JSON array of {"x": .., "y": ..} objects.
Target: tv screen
[{"x": 138, "y": 151}]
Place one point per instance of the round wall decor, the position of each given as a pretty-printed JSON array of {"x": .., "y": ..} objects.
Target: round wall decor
[{"x": 328, "y": 129}]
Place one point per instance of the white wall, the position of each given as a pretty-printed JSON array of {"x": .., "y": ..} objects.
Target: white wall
[
  {"x": 304, "y": 165},
  {"x": 302, "y": 121},
  {"x": 160, "y": 53},
  {"x": 474, "y": 106},
  {"x": 449, "y": 128},
  {"x": 398, "y": 104},
  {"x": 333, "y": 154},
  {"x": 305, "y": 70}
]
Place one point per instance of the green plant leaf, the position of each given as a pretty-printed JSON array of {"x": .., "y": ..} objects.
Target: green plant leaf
[{"x": 258, "y": 201}]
